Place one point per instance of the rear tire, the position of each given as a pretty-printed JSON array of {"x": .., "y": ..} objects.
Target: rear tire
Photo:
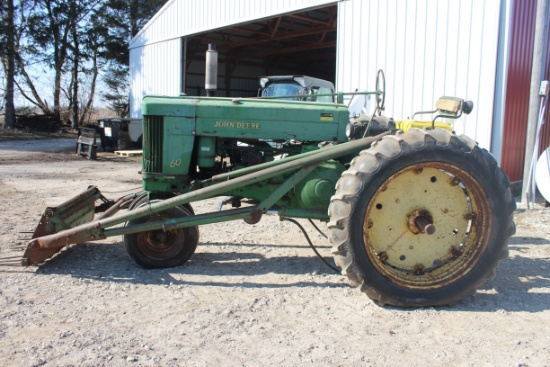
[
  {"x": 162, "y": 249},
  {"x": 433, "y": 177}
]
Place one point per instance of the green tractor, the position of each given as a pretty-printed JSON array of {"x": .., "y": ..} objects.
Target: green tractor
[{"x": 418, "y": 216}]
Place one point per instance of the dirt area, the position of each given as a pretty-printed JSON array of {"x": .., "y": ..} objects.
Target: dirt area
[{"x": 250, "y": 296}]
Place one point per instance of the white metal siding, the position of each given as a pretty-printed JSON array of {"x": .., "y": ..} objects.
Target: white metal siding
[
  {"x": 184, "y": 17},
  {"x": 155, "y": 69},
  {"x": 427, "y": 48},
  {"x": 155, "y": 52}
]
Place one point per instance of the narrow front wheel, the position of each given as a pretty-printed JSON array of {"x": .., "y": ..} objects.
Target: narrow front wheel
[{"x": 159, "y": 248}]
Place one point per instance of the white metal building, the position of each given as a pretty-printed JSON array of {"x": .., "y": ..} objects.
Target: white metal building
[{"x": 427, "y": 48}]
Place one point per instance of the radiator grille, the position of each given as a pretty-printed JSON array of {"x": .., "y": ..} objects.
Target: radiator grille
[{"x": 153, "y": 136}]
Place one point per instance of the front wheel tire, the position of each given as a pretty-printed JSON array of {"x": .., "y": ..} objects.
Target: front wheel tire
[
  {"x": 162, "y": 249},
  {"x": 422, "y": 218}
]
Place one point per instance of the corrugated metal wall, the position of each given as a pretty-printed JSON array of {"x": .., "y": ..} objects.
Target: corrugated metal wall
[
  {"x": 184, "y": 17},
  {"x": 427, "y": 48},
  {"x": 155, "y": 53},
  {"x": 516, "y": 108},
  {"x": 154, "y": 69}
]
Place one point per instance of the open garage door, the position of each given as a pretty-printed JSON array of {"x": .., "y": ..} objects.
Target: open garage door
[{"x": 294, "y": 43}]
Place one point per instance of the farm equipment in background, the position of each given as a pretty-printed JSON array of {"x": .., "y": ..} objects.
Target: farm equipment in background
[
  {"x": 417, "y": 217},
  {"x": 119, "y": 133},
  {"x": 297, "y": 88}
]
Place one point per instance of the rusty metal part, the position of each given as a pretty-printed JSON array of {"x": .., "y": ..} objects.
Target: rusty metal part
[
  {"x": 119, "y": 204},
  {"x": 42, "y": 248},
  {"x": 254, "y": 217},
  {"x": 418, "y": 269},
  {"x": 455, "y": 252},
  {"x": 383, "y": 256},
  {"x": 160, "y": 244},
  {"x": 55, "y": 229},
  {"x": 425, "y": 225},
  {"x": 73, "y": 212},
  {"x": 421, "y": 221},
  {"x": 455, "y": 181}
]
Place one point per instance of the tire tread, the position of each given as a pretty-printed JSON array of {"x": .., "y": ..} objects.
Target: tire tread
[{"x": 367, "y": 164}]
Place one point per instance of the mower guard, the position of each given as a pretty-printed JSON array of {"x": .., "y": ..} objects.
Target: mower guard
[{"x": 72, "y": 213}]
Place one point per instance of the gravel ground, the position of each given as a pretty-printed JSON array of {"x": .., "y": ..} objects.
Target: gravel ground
[{"x": 250, "y": 296}]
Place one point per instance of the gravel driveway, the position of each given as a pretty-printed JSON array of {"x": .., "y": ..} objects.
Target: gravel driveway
[{"x": 252, "y": 295}]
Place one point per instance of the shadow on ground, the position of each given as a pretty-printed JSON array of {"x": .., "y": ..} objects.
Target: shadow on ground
[
  {"x": 514, "y": 289},
  {"x": 109, "y": 262}
]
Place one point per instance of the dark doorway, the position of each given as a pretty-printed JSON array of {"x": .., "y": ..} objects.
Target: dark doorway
[{"x": 302, "y": 43}]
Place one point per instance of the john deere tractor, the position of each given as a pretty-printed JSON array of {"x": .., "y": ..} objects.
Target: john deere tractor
[{"x": 417, "y": 215}]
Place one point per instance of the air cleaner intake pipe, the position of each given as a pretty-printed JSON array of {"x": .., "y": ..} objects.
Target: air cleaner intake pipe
[{"x": 211, "y": 73}]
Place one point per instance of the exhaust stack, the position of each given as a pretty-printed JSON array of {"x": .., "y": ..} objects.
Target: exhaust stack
[{"x": 211, "y": 73}]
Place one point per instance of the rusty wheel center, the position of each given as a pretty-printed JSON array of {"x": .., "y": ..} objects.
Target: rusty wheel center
[
  {"x": 159, "y": 238},
  {"x": 421, "y": 221},
  {"x": 159, "y": 244}
]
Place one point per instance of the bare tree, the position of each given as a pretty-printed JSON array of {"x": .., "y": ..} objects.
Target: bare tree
[
  {"x": 7, "y": 53},
  {"x": 75, "y": 41},
  {"x": 122, "y": 19},
  {"x": 57, "y": 36}
]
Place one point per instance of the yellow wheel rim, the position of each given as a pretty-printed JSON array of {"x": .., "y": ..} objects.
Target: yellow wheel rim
[{"x": 424, "y": 198}]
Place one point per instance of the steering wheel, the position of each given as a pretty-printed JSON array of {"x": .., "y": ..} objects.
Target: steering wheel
[{"x": 381, "y": 91}]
